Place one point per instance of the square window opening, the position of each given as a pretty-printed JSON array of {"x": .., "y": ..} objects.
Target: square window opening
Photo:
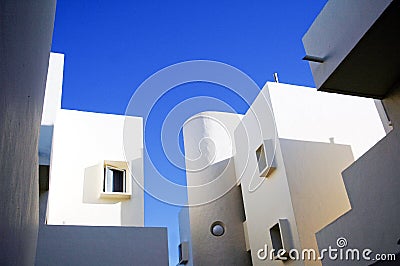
[
  {"x": 114, "y": 180},
  {"x": 281, "y": 239},
  {"x": 276, "y": 238},
  {"x": 265, "y": 155},
  {"x": 261, "y": 159}
]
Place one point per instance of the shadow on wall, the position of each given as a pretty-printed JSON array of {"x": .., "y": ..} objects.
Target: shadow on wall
[
  {"x": 136, "y": 170},
  {"x": 45, "y": 141},
  {"x": 99, "y": 245},
  {"x": 93, "y": 186}
]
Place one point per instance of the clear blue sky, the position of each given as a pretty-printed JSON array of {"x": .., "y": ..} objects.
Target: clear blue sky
[{"x": 111, "y": 47}]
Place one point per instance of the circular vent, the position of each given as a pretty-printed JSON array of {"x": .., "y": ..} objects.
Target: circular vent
[{"x": 217, "y": 229}]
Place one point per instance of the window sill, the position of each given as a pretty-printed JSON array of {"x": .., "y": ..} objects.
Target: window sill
[
  {"x": 267, "y": 171},
  {"x": 115, "y": 195}
]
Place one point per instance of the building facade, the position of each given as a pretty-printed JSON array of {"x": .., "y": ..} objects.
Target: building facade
[
  {"x": 26, "y": 31},
  {"x": 270, "y": 179},
  {"x": 91, "y": 204},
  {"x": 362, "y": 59}
]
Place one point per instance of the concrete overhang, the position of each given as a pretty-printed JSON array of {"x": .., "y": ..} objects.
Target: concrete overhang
[{"x": 358, "y": 44}]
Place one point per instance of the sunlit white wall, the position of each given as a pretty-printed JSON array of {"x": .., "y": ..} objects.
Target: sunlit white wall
[
  {"x": 306, "y": 114},
  {"x": 82, "y": 141}
]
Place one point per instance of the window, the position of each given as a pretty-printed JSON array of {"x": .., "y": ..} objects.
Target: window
[
  {"x": 262, "y": 163},
  {"x": 276, "y": 238},
  {"x": 183, "y": 253},
  {"x": 280, "y": 237},
  {"x": 265, "y": 155},
  {"x": 114, "y": 180}
]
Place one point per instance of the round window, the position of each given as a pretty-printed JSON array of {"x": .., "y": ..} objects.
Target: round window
[{"x": 217, "y": 229}]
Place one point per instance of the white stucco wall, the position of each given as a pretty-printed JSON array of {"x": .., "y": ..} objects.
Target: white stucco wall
[
  {"x": 26, "y": 30},
  {"x": 213, "y": 194},
  {"x": 265, "y": 202},
  {"x": 51, "y": 105},
  {"x": 82, "y": 141},
  {"x": 209, "y": 138},
  {"x": 209, "y": 147},
  {"x": 305, "y": 121},
  {"x": 292, "y": 112},
  {"x": 303, "y": 113},
  {"x": 52, "y": 96},
  {"x": 372, "y": 183},
  {"x": 316, "y": 186},
  {"x": 184, "y": 232}
]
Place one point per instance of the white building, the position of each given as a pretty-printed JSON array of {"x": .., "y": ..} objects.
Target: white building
[
  {"x": 271, "y": 177},
  {"x": 85, "y": 145},
  {"x": 22, "y": 86},
  {"x": 91, "y": 204},
  {"x": 360, "y": 57}
]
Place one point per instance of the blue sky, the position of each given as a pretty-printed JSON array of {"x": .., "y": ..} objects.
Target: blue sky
[{"x": 111, "y": 47}]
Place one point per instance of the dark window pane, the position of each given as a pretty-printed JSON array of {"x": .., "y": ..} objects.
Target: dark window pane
[
  {"x": 118, "y": 181},
  {"x": 275, "y": 232},
  {"x": 114, "y": 180}
]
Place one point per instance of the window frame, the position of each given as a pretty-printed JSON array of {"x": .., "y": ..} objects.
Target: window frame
[
  {"x": 120, "y": 166},
  {"x": 106, "y": 167},
  {"x": 281, "y": 238},
  {"x": 266, "y": 157}
]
